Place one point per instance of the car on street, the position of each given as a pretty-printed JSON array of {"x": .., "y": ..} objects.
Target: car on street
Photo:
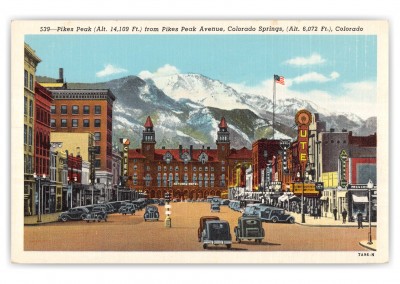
[
  {"x": 216, "y": 232},
  {"x": 249, "y": 228},
  {"x": 151, "y": 213},
  {"x": 225, "y": 202},
  {"x": 97, "y": 214},
  {"x": 128, "y": 208},
  {"x": 76, "y": 213},
  {"x": 215, "y": 207},
  {"x": 203, "y": 221},
  {"x": 275, "y": 215}
]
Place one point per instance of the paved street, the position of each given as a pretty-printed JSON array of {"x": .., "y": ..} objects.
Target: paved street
[{"x": 131, "y": 233}]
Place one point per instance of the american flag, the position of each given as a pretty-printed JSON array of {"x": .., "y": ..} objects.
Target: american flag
[{"x": 279, "y": 79}]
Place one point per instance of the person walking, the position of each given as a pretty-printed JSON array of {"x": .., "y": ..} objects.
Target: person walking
[
  {"x": 344, "y": 215},
  {"x": 335, "y": 213},
  {"x": 315, "y": 212},
  {"x": 319, "y": 212},
  {"x": 360, "y": 220}
]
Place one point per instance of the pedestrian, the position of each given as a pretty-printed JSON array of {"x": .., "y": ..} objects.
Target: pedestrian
[
  {"x": 344, "y": 215},
  {"x": 335, "y": 213},
  {"x": 319, "y": 212},
  {"x": 315, "y": 212},
  {"x": 360, "y": 220}
]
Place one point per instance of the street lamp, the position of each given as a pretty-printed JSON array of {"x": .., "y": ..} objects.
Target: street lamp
[
  {"x": 303, "y": 217},
  {"x": 40, "y": 192},
  {"x": 370, "y": 185}
]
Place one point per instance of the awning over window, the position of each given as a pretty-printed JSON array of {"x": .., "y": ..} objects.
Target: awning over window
[{"x": 360, "y": 199}]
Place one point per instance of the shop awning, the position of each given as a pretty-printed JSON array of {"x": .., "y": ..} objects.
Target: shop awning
[{"x": 360, "y": 199}]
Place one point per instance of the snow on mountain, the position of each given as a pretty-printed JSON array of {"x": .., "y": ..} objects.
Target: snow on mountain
[{"x": 199, "y": 89}]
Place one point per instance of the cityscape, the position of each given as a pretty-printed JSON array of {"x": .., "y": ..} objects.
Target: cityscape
[{"x": 76, "y": 159}]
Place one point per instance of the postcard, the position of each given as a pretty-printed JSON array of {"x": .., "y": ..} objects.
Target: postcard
[{"x": 204, "y": 141}]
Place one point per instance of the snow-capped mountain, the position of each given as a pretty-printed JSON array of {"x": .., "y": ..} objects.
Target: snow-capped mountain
[{"x": 186, "y": 109}]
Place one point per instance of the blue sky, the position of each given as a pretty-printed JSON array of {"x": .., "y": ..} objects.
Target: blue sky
[{"x": 320, "y": 67}]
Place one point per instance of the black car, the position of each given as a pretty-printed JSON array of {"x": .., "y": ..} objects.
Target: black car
[
  {"x": 76, "y": 213},
  {"x": 97, "y": 214},
  {"x": 128, "y": 208},
  {"x": 274, "y": 215},
  {"x": 151, "y": 213},
  {"x": 216, "y": 232}
]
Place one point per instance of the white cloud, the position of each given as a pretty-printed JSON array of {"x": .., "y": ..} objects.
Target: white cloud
[
  {"x": 110, "y": 70},
  {"x": 358, "y": 98},
  {"x": 304, "y": 61},
  {"x": 315, "y": 77},
  {"x": 165, "y": 70}
]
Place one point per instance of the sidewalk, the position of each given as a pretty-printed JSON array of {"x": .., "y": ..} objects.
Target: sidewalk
[
  {"x": 326, "y": 221},
  {"x": 46, "y": 218},
  {"x": 330, "y": 222}
]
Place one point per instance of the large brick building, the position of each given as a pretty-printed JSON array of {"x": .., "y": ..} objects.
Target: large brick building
[
  {"x": 87, "y": 111},
  {"x": 185, "y": 172}
]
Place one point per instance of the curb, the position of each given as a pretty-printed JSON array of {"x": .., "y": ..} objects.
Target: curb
[
  {"x": 327, "y": 225},
  {"x": 40, "y": 223},
  {"x": 366, "y": 246}
]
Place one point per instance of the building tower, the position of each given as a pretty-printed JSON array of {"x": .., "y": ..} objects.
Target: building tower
[
  {"x": 223, "y": 142},
  {"x": 148, "y": 140}
]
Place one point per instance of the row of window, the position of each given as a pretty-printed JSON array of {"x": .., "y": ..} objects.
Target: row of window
[
  {"x": 75, "y": 109},
  {"x": 28, "y": 80},
  {"x": 75, "y": 123}
]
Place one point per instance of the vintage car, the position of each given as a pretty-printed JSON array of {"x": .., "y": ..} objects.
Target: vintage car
[
  {"x": 128, "y": 208},
  {"x": 215, "y": 207},
  {"x": 97, "y": 214},
  {"x": 249, "y": 228},
  {"x": 151, "y": 213},
  {"x": 216, "y": 232},
  {"x": 251, "y": 210},
  {"x": 76, "y": 213},
  {"x": 274, "y": 215},
  {"x": 203, "y": 221}
]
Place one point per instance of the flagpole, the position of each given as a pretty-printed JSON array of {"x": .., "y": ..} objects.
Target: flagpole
[{"x": 273, "y": 109}]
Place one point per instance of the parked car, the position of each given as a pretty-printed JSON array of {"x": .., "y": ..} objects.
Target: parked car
[
  {"x": 216, "y": 232},
  {"x": 203, "y": 221},
  {"x": 97, "y": 214},
  {"x": 76, "y": 213},
  {"x": 225, "y": 202},
  {"x": 274, "y": 215},
  {"x": 128, "y": 208},
  {"x": 215, "y": 207},
  {"x": 251, "y": 210},
  {"x": 249, "y": 228},
  {"x": 161, "y": 202},
  {"x": 151, "y": 213},
  {"x": 216, "y": 199}
]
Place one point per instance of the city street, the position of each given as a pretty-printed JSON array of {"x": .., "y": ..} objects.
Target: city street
[{"x": 132, "y": 233}]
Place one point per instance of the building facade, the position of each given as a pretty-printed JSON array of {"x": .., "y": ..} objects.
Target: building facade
[
  {"x": 87, "y": 111},
  {"x": 187, "y": 173},
  {"x": 31, "y": 60}
]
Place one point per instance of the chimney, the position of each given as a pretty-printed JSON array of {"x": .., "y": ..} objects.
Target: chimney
[
  {"x": 332, "y": 130},
  {"x": 344, "y": 130},
  {"x": 191, "y": 151},
  {"x": 203, "y": 147},
  {"x": 60, "y": 75},
  {"x": 180, "y": 150},
  {"x": 208, "y": 148},
  {"x": 163, "y": 147}
]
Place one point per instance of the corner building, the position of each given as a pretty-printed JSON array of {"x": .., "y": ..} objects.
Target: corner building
[
  {"x": 187, "y": 173},
  {"x": 87, "y": 111}
]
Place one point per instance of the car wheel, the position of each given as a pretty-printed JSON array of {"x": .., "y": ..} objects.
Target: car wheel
[
  {"x": 83, "y": 217},
  {"x": 64, "y": 218},
  {"x": 99, "y": 218},
  {"x": 274, "y": 219},
  {"x": 204, "y": 246},
  {"x": 229, "y": 246},
  {"x": 291, "y": 220}
]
